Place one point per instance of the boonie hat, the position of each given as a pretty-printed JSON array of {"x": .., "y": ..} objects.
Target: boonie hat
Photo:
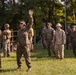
[{"x": 58, "y": 25}]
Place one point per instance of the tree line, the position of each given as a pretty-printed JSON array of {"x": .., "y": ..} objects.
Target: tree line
[{"x": 44, "y": 10}]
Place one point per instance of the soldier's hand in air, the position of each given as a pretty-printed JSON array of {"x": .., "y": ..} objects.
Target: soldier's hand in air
[{"x": 30, "y": 12}]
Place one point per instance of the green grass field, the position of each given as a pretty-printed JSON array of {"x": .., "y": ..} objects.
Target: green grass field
[{"x": 41, "y": 64}]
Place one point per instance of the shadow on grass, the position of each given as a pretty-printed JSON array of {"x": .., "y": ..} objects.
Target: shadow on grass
[
  {"x": 8, "y": 57},
  {"x": 7, "y": 70},
  {"x": 68, "y": 54},
  {"x": 12, "y": 56},
  {"x": 42, "y": 54},
  {"x": 39, "y": 53}
]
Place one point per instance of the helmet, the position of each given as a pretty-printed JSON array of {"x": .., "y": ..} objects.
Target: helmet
[
  {"x": 58, "y": 25},
  {"x": 7, "y": 25}
]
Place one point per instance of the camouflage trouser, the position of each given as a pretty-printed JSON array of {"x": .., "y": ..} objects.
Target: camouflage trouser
[
  {"x": 59, "y": 49},
  {"x": 74, "y": 48},
  {"x": 6, "y": 49},
  {"x": 43, "y": 42},
  {"x": 50, "y": 47},
  {"x": 26, "y": 52}
]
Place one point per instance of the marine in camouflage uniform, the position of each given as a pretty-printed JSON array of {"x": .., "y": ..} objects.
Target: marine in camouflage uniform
[
  {"x": 23, "y": 43},
  {"x": 67, "y": 36},
  {"x": 0, "y": 48},
  {"x": 59, "y": 41},
  {"x": 43, "y": 35},
  {"x": 6, "y": 40},
  {"x": 73, "y": 40},
  {"x": 49, "y": 35}
]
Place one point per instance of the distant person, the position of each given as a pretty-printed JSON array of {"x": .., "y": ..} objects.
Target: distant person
[
  {"x": 59, "y": 41},
  {"x": 73, "y": 40},
  {"x": 49, "y": 35},
  {"x": 67, "y": 36},
  {"x": 6, "y": 40},
  {"x": 14, "y": 46},
  {"x": 24, "y": 42},
  {"x": 43, "y": 35}
]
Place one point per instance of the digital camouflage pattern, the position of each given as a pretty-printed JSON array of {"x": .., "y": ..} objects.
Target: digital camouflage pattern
[
  {"x": 6, "y": 36},
  {"x": 73, "y": 41},
  {"x": 23, "y": 44},
  {"x": 43, "y": 37},
  {"x": 59, "y": 41},
  {"x": 49, "y": 35}
]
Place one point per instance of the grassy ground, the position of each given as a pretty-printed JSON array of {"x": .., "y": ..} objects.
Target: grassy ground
[{"x": 41, "y": 64}]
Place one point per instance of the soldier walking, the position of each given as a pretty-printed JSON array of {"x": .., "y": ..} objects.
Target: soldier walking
[
  {"x": 73, "y": 40},
  {"x": 59, "y": 41},
  {"x": 24, "y": 42},
  {"x": 49, "y": 35},
  {"x": 6, "y": 40}
]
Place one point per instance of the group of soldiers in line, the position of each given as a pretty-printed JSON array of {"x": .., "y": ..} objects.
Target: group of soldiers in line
[
  {"x": 54, "y": 40},
  {"x": 24, "y": 42}
]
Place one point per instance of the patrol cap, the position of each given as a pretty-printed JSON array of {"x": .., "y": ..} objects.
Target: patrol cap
[
  {"x": 58, "y": 25},
  {"x": 7, "y": 25},
  {"x": 22, "y": 22},
  {"x": 49, "y": 23}
]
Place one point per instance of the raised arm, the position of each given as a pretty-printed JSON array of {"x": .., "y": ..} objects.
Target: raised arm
[{"x": 30, "y": 24}]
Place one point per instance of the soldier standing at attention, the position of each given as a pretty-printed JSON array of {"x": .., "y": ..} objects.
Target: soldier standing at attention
[
  {"x": 23, "y": 43},
  {"x": 6, "y": 40},
  {"x": 59, "y": 41},
  {"x": 73, "y": 40},
  {"x": 43, "y": 35},
  {"x": 0, "y": 48},
  {"x": 67, "y": 36},
  {"x": 49, "y": 35}
]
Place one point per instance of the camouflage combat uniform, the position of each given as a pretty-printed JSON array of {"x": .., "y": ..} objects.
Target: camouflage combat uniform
[
  {"x": 59, "y": 40},
  {"x": 73, "y": 41},
  {"x": 43, "y": 37},
  {"x": 6, "y": 41},
  {"x": 23, "y": 45},
  {"x": 49, "y": 35}
]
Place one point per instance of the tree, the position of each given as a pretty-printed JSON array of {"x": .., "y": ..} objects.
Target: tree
[{"x": 72, "y": 9}]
